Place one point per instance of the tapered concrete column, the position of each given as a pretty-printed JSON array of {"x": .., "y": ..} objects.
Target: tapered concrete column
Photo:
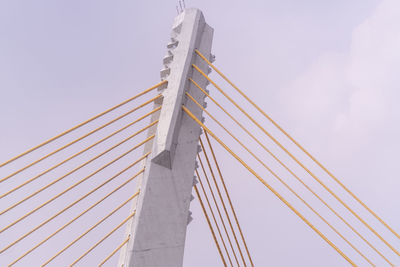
[{"x": 158, "y": 230}]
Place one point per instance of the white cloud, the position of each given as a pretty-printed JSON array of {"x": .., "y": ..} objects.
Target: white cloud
[
  {"x": 345, "y": 109},
  {"x": 351, "y": 95}
]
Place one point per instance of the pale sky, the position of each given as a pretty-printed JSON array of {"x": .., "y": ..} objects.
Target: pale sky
[{"x": 327, "y": 71}]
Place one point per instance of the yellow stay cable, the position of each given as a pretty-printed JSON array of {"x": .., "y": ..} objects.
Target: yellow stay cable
[
  {"x": 287, "y": 168},
  {"x": 72, "y": 186},
  {"x": 83, "y": 123},
  {"x": 114, "y": 251},
  {"x": 92, "y": 227},
  {"x": 79, "y": 153},
  {"x": 209, "y": 225},
  {"x": 213, "y": 215},
  {"x": 82, "y": 213},
  {"x": 299, "y": 146},
  {"x": 229, "y": 198},
  {"x": 291, "y": 190},
  {"x": 101, "y": 240},
  {"x": 75, "y": 202},
  {"x": 298, "y": 162},
  {"x": 222, "y": 201},
  {"x": 79, "y": 167},
  {"x": 82, "y": 137},
  {"x": 268, "y": 186},
  {"x": 218, "y": 210}
]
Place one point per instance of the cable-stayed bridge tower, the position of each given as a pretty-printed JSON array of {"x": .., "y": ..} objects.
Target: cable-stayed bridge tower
[
  {"x": 62, "y": 200},
  {"x": 162, "y": 208}
]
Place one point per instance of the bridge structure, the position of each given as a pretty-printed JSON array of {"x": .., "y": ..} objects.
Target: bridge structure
[{"x": 167, "y": 139}]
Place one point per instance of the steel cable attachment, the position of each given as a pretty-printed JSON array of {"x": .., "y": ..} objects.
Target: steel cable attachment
[
  {"x": 78, "y": 216},
  {"x": 298, "y": 145},
  {"x": 292, "y": 173},
  {"x": 102, "y": 239},
  {"x": 190, "y": 114},
  {"x": 83, "y": 137},
  {"x": 77, "y": 201},
  {"x": 293, "y": 192},
  {"x": 72, "y": 186},
  {"x": 83, "y": 123},
  {"x": 91, "y": 228},
  {"x": 298, "y": 162},
  {"x": 79, "y": 153}
]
